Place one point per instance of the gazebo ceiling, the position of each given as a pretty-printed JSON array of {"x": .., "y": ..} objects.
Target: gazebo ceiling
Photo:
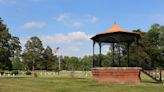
[{"x": 115, "y": 34}]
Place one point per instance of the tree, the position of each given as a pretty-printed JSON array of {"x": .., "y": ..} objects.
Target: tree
[
  {"x": 15, "y": 50},
  {"x": 65, "y": 63},
  {"x": 5, "y": 62},
  {"x": 85, "y": 63},
  {"x": 155, "y": 37},
  {"x": 17, "y": 64},
  {"x": 72, "y": 63},
  {"x": 15, "y": 46},
  {"x": 49, "y": 62},
  {"x": 33, "y": 54}
]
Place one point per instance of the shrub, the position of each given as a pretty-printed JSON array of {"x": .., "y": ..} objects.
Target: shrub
[
  {"x": 15, "y": 72},
  {"x": 28, "y": 73},
  {"x": 1, "y": 72},
  {"x": 35, "y": 74}
]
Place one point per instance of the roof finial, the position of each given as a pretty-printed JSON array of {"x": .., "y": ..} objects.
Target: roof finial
[{"x": 115, "y": 22}]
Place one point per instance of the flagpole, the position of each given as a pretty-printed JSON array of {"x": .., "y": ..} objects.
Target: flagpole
[
  {"x": 59, "y": 63},
  {"x": 56, "y": 50}
]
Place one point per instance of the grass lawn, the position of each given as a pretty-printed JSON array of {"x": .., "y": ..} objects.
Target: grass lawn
[{"x": 68, "y": 84}]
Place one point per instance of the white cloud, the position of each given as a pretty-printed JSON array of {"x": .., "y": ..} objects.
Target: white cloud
[
  {"x": 73, "y": 48},
  {"x": 7, "y": 1},
  {"x": 47, "y": 39},
  {"x": 93, "y": 19},
  {"x": 33, "y": 24},
  {"x": 60, "y": 38},
  {"x": 62, "y": 18},
  {"x": 77, "y": 24},
  {"x": 69, "y": 20},
  {"x": 74, "y": 36},
  {"x": 78, "y": 37},
  {"x": 74, "y": 21}
]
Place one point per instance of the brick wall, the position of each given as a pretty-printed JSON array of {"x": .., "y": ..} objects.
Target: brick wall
[{"x": 116, "y": 75}]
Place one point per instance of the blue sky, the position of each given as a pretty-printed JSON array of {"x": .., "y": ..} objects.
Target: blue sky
[{"x": 70, "y": 23}]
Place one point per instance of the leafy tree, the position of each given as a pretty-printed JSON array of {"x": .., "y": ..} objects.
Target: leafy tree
[
  {"x": 5, "y": 62},
  {"x": 15, "y": 50},
  {"x": 49, "y": 62},
  {"x": 86, "y": 63},
  {"x": 155, "y": 36},
  {"x": 17, "y": 64},
  {"x": 15, "y": 46},
  {"x": 33, "y": 53},
  {"x": 107, "y": 60},
  {"x": 65, "y": 63},
  {"x": 73, "y": 63}
]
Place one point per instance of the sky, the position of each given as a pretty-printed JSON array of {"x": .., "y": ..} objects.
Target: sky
[{"x": 69, "y": 24}]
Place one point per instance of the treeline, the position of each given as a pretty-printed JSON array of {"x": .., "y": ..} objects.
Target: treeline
[{"x": 35, "y": 56}]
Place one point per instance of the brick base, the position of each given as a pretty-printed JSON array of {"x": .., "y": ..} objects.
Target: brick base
[{"x": 117, "y": 75}]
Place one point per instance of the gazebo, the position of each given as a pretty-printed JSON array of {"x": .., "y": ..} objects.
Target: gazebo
[{"x": 116, "y": 74}]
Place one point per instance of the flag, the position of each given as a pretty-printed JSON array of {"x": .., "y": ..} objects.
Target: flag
[{"x": 56, "y": 50}]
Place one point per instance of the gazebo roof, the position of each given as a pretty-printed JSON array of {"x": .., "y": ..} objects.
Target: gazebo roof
[
  {"x": 115, "y": 34},
  {"x": 115, "y": 28}
]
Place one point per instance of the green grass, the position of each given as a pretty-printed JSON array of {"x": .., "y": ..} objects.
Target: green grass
[{"x": 77, "y": 84}]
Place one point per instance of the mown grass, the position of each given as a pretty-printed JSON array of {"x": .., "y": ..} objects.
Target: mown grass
[{"x": 77, "y": 84}]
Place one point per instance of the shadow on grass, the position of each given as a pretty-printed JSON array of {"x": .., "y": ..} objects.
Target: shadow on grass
[{"x": 149, "y": 81}]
